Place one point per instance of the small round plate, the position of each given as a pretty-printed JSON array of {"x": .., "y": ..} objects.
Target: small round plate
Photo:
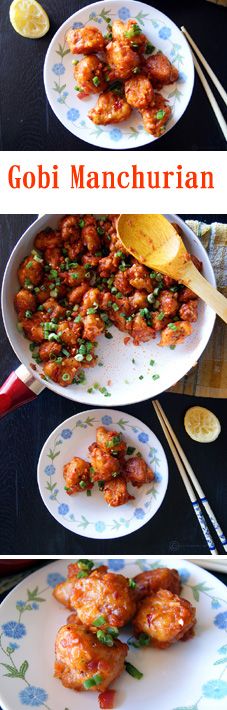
[
  {"x": 91, "y": 516},
  {"x": 60, "y": 83},
  {"x": 186, "y": 676}
]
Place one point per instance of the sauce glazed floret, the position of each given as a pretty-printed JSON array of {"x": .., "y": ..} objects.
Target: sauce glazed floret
[
  {"x": 78, "y": 280},
  {"x": 165, "y": 618},
  {"x": 126, "y": 73}
]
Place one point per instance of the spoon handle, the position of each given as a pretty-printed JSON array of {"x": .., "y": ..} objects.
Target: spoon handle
[{"x": 192, "y": 278}]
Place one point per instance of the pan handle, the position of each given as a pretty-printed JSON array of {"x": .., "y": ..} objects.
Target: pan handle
[{"x": 19, "y": 388}]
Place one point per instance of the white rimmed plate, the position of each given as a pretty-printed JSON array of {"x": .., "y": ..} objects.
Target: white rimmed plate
[
  {"x": 60, "y": 83},
  {"x": 91, "y": 516},
  {"x": 186, "y": 676}
]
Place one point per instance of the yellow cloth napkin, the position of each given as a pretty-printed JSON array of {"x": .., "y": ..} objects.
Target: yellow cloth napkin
[{"x": 209, "y": 377}]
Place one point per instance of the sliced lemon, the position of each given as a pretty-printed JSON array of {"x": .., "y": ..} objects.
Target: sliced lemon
[
  {"x": 28, "y": 18},
  {"x": 202, "y": 425}
]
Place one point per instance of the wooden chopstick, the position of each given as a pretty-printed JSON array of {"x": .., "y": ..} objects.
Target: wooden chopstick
[
  {"x": 194, "y": 480},
  {"x": 189, "y": 489},
  {"x": 212, "y": 75},
  {"x": 211, "y": 98}
]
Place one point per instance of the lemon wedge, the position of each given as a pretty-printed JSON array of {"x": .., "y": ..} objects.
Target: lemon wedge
[
  {"x": 28, "y": 18},
  {"x": 202, "y": 425}
]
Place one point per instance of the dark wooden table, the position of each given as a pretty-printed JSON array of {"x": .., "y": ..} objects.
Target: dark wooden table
[
  {"x": 26, "y": 527},
  {"x": 26, "y": 119}
]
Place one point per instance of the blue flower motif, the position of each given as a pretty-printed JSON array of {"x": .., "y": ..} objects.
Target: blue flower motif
[
  {"x": 215, "y": 604},
  {"x": 158, "y": 476},
  {"x": 215, "y": 689},
  {"x": 140, "y": 127},
  {"x": 221, "y": 620},
  {"x": 143, "y": 437},
  {"x": 77, "y": 25},
  {"x": 123, "y": 13},
  {"x": 184, "y": 575},
  {"x": 21, "y": 604},
  {"x": 139, "y": 513},
  {"x": 99, "y": 20},
  {"x": 116, "y": 565},
  {"x": 115, "y": 134},
  {"x": 63, "y": 96},
  {"x": 93, "y": 14},
  {"x": 73, "y": 114},
  {"x": 182, "y": 76},
  {"x": 107, "y": 420},
  {"x": 14, "y": 629},
  {"x": 63, "y": 509},
  {"x": 33, "y": 696},
  {"x": 100, "y": 526},
  {"x": 54, "y": 578},
  {"x": 165, "y": 32},
  {"x": 66, "y": 433},
  {"x": 147, "y": 505},
  {"x": 49, "y": 470},
  {"x": 35, "y": 605},
  {"x": 13, "y": 646},
  {"x": 58, "y": 69},
  {"x": 223, "y": 649}
]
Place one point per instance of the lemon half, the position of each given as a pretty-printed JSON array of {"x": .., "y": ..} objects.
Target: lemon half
[
  {"x": 28, "y": 18},
  {"x": 202, "y": 425}
]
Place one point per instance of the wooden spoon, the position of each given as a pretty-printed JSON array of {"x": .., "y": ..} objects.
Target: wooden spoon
[{"x": 154, "y": 241}]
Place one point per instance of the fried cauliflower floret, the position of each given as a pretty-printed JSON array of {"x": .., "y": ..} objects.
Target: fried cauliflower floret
[
  {"x": 85, "y": 40},
  {"x": 168, "y": 303},
  {"x": 176, "y": 334},
  {"x": 186, "y": 294},
  {"x": 24, "y": 301},
  {"x": 89, "y": 76},
  {"x": 33, "y": 327},
  {"x": 93, "y": 326},
  {"x": 90, "y": 235},
  {"x": 69, "y": 332},
  {"x": 139, "y": 278},
  {"x": 122, "y": 59},
  {"x": 110, "y": 108},
  {"x": 139, "y": 92},
  {"x": 47, "y": 238},
  {"x": 141, "y": 332},
  {"x": 62, "y": 373},
  {"x": 129, "y": 33},
  {"x": 64, "y": 590},
  {"x": 110, "y": 441},
  {"x": 189, "y": 311},
  {"x": 30, "y": 272},
  {"x": 156, "y": 117},
  {"x": 137, "y": 471},
  {"x": 116, "y": 493},
  {"x": 47, "y": 351},
  {"x": 160, "y": 70},
  {"x": 77, "y": 294},
  {"x": 104, "y": 467},
  {"x": 165, "y": 618},
  {"x": 155, "y": 579},
  {"x": 77, "y": 476},
  {"x": 80, "y": 656},
  {"x": 104, "y": 594}
]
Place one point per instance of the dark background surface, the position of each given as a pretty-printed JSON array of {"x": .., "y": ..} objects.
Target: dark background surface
[
  {"x": 27, "y": 121},
  {"x": 26, "y": 527}
]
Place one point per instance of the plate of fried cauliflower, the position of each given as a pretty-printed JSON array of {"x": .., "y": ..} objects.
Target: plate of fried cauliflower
[{"x": 118, "y": 76}]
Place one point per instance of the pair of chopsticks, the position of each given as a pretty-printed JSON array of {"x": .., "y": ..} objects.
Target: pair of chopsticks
[
  {"x": 207, "y": 89},
  {"x": 188, "y": 476}
]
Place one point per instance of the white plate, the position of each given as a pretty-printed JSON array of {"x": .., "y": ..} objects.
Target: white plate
[
  {"x": 123, "y": 364},
  {"x": 91, "y": 516},
  {"x": 186, "y": 676},
  {"x": 60, "y": 83}
]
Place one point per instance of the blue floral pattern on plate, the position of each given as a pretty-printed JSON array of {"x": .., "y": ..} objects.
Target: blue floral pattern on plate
[
  {"x": 162, "y": 33},
  {"x": 67, "y": 509}
]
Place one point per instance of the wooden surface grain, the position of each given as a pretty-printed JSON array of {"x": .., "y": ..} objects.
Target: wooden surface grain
[
  {"x": 26, "y": 527},
  {"x": 26, "y": 119}
]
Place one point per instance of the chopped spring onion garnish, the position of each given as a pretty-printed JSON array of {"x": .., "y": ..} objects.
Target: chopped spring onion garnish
[
  {"x": 85, "y": 564},
  {"x": 100, "y": 621},
  {"x": 132, "y": 584},
  {"x": 133, "y": 671}
]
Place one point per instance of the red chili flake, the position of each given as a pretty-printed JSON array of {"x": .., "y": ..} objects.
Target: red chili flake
[
  {"x": 82, "y": 95},
  {"x": 106, "y": 699},
  {"x": 126, "y": 340}
]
